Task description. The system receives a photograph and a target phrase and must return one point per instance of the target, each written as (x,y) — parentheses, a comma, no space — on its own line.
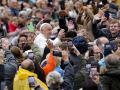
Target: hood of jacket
(23,74)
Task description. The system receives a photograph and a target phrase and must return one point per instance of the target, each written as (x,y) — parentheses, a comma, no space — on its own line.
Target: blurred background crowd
(59,44)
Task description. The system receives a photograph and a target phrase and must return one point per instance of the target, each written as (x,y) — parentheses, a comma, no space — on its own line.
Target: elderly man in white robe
(44,36)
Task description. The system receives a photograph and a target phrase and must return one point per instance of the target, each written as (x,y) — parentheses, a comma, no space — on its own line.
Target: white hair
(44,25)
(53,78)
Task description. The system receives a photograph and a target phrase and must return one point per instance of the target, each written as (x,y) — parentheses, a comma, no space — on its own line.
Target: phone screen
(31,81)
(88,68)
(31,55)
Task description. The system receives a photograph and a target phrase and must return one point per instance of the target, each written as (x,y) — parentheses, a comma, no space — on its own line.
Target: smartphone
(88,68)
(57,53)
(31,55)
(31,81)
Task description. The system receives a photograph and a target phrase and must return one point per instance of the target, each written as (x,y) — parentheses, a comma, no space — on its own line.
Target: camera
(57,53)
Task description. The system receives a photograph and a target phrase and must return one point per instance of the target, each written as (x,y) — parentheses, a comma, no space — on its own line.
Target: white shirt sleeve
(56,42)
(41,43)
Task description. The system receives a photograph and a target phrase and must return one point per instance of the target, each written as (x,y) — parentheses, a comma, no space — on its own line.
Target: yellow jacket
(21,80)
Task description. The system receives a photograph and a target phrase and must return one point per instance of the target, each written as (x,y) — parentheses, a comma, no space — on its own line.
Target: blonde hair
(114,21)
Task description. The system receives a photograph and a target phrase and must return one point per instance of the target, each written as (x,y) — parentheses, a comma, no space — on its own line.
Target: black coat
(68,78)
(1,72)
(40,72)
(111,79)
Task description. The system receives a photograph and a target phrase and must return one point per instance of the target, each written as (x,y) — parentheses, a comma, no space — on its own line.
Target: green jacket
(36,52)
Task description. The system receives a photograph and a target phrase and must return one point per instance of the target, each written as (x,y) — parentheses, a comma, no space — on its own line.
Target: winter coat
(10,66)
(1,72)
(40,72)
(21,80)
(78,63)
(36,52)
(111,79)
(68,78)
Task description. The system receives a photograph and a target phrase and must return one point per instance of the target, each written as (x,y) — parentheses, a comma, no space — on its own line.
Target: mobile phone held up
(57,53)
(31,81)
(31,55)
(33,84)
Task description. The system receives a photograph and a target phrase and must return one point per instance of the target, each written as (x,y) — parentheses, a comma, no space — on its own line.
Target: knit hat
(81,44)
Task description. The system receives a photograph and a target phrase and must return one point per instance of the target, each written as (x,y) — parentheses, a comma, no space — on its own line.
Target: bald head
(103,40)
(28,65)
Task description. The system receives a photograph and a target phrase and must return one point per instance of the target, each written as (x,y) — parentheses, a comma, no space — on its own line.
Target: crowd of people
(59,45)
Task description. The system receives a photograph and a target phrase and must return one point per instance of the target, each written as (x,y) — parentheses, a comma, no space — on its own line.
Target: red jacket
(12,27)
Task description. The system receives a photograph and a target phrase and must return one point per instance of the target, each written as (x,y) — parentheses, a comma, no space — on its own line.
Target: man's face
(15,4)
(5,43)
(97,52)
(30,38)
(48,32)
(39,15)
(114,28)
(22,41)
